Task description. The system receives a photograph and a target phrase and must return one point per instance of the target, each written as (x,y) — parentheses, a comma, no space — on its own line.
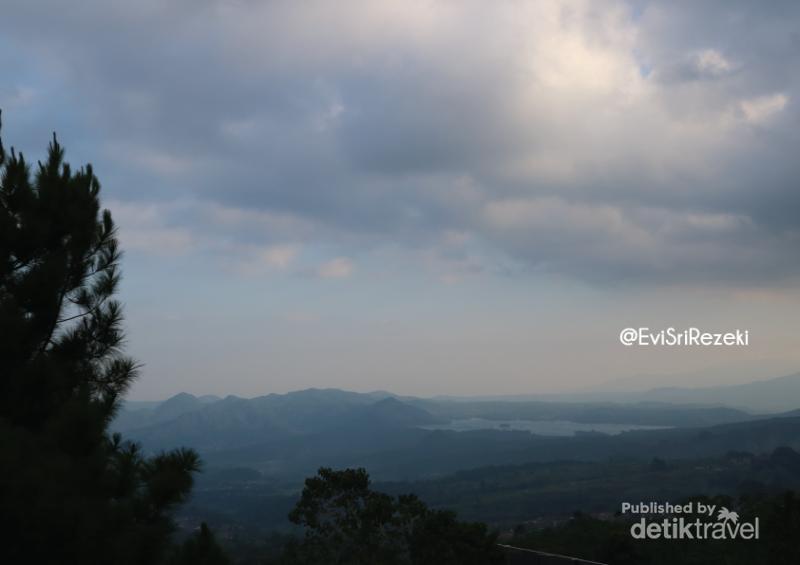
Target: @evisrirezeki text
(686,337)
(689,521)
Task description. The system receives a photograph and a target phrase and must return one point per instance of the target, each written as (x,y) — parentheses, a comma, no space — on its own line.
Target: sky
(461,198)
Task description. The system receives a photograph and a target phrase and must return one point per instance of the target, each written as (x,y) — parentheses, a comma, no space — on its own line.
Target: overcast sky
(428,197)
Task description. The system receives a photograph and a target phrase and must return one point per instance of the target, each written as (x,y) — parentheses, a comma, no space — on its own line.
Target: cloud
(706,64)
(759,110)
(259,261)
(712,63)
(278,256)
(613,141)
(143,228)
(338,268)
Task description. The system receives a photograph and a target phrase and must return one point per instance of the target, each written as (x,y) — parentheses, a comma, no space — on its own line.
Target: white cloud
(255,261)
(152,160)
(712,62)
(278,256)
(763,108)
(143,227)
(338,268)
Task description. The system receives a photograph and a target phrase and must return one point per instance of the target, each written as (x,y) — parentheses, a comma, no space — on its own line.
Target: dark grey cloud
(648,141)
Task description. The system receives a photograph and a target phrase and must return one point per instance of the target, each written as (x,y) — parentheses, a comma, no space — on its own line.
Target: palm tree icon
(725,515)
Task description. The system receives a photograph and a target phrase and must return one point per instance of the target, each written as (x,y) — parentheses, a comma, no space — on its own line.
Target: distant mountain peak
(181,396)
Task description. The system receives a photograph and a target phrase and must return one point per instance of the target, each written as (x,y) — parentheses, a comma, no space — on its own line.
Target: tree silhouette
(70,492)
(348,523)
(200,549)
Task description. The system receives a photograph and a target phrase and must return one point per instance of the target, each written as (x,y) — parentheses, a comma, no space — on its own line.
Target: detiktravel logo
(689,521)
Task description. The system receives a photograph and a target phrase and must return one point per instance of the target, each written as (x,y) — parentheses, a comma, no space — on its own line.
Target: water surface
(540,427)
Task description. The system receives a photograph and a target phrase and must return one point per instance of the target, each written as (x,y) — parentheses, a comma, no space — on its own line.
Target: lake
(540,427)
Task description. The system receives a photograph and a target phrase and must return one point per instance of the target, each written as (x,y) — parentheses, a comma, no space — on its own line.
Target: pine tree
(346,522)
(69,491)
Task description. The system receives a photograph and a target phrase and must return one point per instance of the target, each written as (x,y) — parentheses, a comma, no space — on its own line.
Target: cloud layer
(608,141)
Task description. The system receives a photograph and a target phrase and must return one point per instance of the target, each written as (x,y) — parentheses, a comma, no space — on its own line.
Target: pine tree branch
(91,310)
(51,331)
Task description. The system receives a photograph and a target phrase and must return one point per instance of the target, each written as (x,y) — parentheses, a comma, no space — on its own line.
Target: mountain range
(666,443)
(287,436)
